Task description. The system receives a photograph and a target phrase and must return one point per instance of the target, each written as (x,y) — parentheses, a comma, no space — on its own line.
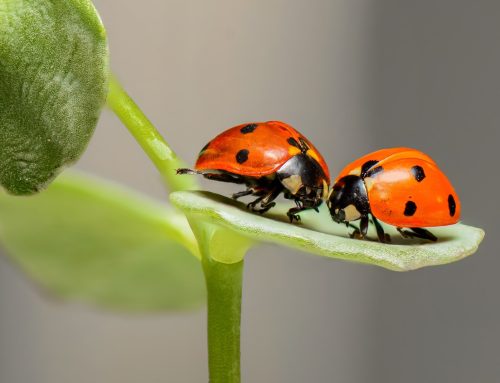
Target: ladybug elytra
(269,158)
(402,187)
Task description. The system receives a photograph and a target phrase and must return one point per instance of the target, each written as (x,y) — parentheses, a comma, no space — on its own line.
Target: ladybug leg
(363,226)
(185,171)
(265,200)
(382,236)
(266,207)
(224,177)
(214,175)
(404,233)
(242,193)
(356,233)
(268,200)
(292,213)
(301,206)
(417,232)
(348,224)
(254,203)
(423,233)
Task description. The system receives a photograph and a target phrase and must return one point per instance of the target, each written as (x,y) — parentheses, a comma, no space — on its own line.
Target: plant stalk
(223,281)
(224,284)
(151,141)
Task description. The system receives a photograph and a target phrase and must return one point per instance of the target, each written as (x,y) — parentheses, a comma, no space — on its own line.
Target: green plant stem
(224,283)
(223,280)
(151,141)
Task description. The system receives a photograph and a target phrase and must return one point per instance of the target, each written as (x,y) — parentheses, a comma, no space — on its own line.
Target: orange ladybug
(269,158)
(402,187)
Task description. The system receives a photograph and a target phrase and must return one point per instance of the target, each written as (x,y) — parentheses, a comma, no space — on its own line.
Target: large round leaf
(53,84)
(89,241)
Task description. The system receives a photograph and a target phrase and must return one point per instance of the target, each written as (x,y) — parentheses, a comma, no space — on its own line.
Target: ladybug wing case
(412,192)
(254,150)
(368,161)
(245,151)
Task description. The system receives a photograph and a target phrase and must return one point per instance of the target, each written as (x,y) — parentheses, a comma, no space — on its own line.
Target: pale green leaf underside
(94,242)
(53,85)
(318,234)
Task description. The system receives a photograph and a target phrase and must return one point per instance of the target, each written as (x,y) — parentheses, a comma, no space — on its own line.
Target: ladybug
(269,158)
(402,187)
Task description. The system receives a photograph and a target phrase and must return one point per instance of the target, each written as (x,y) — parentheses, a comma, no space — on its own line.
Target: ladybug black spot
(452,205)
(376,170)
(248,128)
(366,166)
(410,208)
(242,156)
(292,141)
(418,173)
(373,172)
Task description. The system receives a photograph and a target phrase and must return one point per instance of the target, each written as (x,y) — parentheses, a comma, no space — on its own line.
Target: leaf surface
(53,85)
(318,234)
(91,241)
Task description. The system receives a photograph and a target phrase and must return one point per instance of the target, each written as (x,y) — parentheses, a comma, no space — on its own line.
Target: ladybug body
(402,187)
(269,158)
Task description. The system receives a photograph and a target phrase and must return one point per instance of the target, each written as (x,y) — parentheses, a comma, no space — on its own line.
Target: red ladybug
(269,158)
(399,186)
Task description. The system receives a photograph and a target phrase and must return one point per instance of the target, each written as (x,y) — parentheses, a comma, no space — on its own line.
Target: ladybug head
(304,179)
(348,200)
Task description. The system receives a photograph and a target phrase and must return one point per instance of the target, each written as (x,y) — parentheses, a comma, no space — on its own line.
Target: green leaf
(318,234)
(94,242)
(53,84)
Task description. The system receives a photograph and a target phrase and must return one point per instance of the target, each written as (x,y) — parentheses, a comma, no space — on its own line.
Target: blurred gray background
(353,76)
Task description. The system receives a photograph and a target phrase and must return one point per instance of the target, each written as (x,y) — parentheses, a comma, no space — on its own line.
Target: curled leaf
(53,84)
(318,234)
